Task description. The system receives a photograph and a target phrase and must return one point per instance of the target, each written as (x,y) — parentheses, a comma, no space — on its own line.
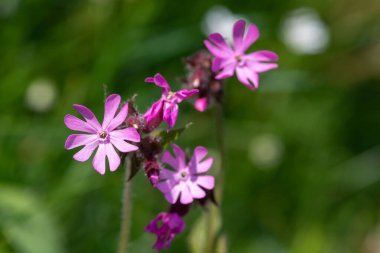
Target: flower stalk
(213,230)
(126,211)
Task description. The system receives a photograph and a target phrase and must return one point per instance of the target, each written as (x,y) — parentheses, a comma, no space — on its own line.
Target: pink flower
(104,137)
(247,66)
(166,108)
(165,226)
(186,182)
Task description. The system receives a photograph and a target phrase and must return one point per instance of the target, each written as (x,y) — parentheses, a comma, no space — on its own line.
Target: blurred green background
(303,171)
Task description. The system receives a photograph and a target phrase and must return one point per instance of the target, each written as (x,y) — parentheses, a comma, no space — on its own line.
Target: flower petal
(88,115)
(85,153)
(123,146)
(207,182)
(238,34)
(260,67)
(186,197)
(196,191)
(118,120)
(219,41)
(200,167)
(205,165)
(76,124)
(170,114)
(216,51)
(99,161)
(228,71)
(76,140)
(199,153)
(180,156)
(195,164)
(263,55)
(215,67)
(167,178)
(154,109)
(168,174)
(149,80)
(129,134)
(169,159)
(172,195)
(113,157)
(183,94)
(227,62)
(153,117)
(160,81)
(110,108)
(251,36)
(247,76)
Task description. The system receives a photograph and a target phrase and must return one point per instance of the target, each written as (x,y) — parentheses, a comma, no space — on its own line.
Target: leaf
(133,165)
(167,137)
(26,223)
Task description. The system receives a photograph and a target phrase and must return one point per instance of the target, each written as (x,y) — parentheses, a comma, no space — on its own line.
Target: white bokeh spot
(221,20)
(303,32)
(40,95)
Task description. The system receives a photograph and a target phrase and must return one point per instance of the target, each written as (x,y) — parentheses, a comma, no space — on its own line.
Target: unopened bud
(152,171)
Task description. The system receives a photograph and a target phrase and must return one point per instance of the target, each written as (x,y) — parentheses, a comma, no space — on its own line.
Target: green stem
(126,210)
(222,151)
(213,229)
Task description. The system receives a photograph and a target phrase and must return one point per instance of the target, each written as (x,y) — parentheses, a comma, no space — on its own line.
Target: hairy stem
(126,210)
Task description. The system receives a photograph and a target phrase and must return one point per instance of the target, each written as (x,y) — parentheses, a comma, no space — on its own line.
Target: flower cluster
(125,133)
(125,130)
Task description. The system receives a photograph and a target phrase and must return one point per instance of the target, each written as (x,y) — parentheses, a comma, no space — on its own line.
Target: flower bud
(152,171)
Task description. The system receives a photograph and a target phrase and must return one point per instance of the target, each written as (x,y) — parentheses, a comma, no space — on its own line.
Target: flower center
(184,175)
(170,95)
(239,58)
(103,134)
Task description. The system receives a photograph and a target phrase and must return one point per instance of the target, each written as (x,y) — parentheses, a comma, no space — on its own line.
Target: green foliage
(166,137)
(27,223)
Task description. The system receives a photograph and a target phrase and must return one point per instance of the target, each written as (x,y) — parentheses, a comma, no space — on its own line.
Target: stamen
(103,134)
(170,95)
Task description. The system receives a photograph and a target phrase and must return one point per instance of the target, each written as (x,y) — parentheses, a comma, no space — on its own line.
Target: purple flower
(165,226)
(247,66)
(104,137)
(186,182)
(166,108)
